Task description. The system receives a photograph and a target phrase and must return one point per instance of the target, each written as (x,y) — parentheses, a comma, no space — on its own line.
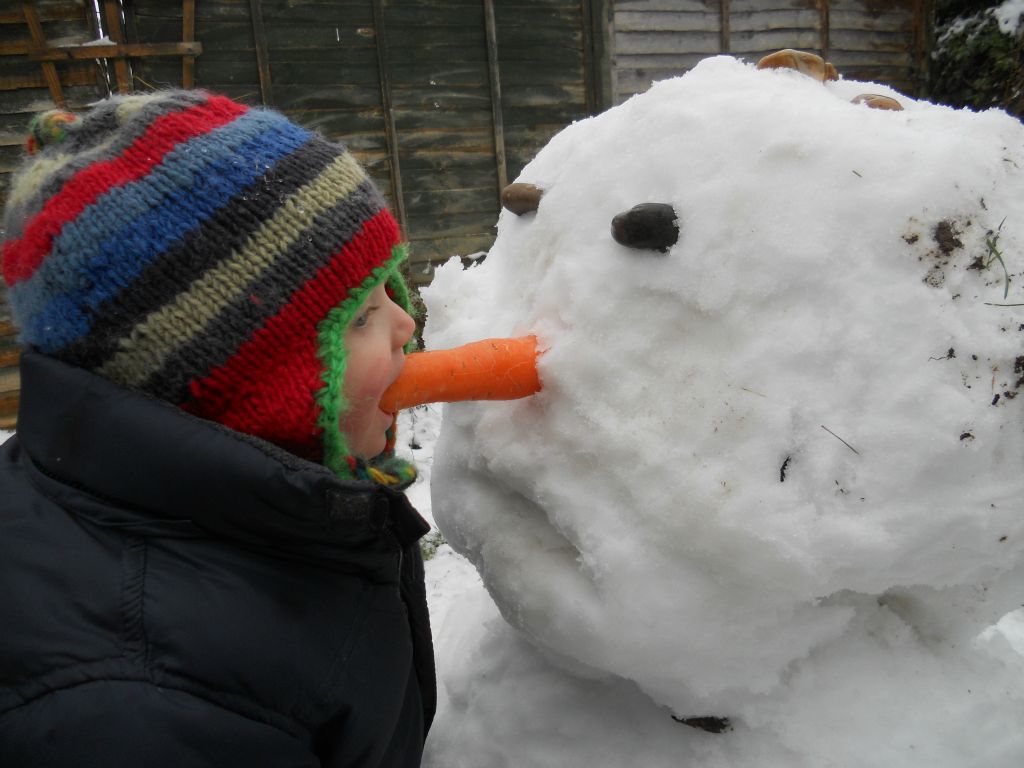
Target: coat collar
(134,460)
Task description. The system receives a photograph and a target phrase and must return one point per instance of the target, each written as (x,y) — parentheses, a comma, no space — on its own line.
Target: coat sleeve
(117,724)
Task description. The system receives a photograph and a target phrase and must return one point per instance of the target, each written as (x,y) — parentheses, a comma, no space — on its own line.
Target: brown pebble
(521,198)
(809,64)
(877,101)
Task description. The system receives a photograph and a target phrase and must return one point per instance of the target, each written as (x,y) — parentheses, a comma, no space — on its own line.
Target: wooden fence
(878,40)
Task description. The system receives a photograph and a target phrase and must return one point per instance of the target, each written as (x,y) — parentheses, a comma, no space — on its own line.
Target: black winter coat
(173,593)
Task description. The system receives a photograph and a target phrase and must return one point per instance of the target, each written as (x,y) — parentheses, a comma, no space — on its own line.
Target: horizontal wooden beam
(113,50)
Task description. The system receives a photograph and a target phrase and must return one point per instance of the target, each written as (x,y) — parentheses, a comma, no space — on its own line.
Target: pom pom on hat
(185,245)
(48,128)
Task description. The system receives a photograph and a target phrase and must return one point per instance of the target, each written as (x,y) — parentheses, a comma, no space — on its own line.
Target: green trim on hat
(333,356)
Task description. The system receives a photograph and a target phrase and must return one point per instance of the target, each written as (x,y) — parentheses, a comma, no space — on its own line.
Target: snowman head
(780,378)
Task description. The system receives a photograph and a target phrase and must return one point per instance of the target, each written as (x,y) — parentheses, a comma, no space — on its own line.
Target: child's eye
(363,317)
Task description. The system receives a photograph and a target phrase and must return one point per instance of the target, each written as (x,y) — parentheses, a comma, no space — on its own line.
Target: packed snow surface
(775,473)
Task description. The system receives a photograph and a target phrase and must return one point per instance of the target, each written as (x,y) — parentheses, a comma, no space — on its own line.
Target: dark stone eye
(521,198)
(648,225)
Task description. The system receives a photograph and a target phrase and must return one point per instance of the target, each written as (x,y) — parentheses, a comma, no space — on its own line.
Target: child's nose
(402,326)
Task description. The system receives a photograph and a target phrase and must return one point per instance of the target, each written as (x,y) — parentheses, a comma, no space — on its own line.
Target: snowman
(768,504)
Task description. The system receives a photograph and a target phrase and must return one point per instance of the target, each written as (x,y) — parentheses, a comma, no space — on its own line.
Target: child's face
(374,342)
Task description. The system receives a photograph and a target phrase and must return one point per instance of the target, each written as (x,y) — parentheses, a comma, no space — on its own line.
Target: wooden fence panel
(877,40)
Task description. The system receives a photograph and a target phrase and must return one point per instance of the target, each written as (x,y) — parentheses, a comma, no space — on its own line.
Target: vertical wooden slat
(96,32)
(397,199)
(112,14)
(597,67)
(497,118)
(725,13)
(262,55)
(923,14)
(825,24)
(188,35)
(131,32)
(35,29)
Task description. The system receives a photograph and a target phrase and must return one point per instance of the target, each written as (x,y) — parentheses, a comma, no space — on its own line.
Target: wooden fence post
(389,114)
(725,12)
(188,35)
(112,13)
(259,35)
(35,28)
(497,118)
(825,24)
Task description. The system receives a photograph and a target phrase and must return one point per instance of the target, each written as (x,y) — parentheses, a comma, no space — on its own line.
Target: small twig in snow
(837,437)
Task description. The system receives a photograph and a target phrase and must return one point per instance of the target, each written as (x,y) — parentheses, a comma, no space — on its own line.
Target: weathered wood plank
(300,72)
(796,19)
(433,17)
(438,248)
(446,162)
(327,97)
(452,181)
(846,60)
(753,7)
(775,39)
(406,99)
(424,225)
(448,38)
(449,139)
(87,52)
(66,11)
(11,157)
(560,114)
(665,5)
(867,41)
(28,101)
(889,22)
(75,76)
(23,66)
(70,30)
(664,61)
(273,11)
(441,203)
(666,42)
(667,21)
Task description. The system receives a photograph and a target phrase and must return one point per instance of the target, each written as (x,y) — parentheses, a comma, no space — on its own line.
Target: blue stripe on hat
(130,226)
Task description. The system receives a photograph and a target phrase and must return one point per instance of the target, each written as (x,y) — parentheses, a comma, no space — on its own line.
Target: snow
(1009,16)
(774,473)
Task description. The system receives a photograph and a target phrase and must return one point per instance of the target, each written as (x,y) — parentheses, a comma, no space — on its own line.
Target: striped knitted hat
(209,254)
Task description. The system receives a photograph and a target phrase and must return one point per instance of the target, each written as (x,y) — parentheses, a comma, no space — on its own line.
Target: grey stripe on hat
(151,342)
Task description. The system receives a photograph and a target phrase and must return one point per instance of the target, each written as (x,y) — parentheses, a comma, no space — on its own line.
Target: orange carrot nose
(493,369)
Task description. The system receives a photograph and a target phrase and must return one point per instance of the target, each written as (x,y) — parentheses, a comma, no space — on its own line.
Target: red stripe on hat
(267,387)
(22,257)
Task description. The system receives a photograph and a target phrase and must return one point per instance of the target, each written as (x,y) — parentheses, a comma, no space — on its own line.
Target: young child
(206,556)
